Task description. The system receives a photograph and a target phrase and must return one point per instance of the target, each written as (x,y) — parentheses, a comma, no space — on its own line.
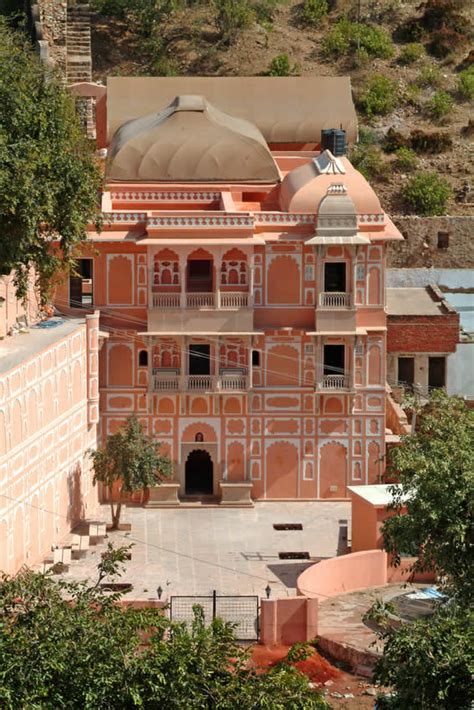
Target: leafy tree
(130,459)
(427,193)
(49,180)
(429,663)
(435,467)
(70,646)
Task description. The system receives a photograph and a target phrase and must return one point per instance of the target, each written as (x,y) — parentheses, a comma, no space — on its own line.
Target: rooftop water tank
(334,139)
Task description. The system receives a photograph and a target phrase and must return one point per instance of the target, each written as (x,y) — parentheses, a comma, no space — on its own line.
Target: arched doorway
(199,473)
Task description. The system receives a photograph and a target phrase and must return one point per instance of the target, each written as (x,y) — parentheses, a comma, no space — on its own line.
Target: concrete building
(240,276)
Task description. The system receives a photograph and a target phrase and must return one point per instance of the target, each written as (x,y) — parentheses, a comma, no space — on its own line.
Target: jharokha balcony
(169,382)
(219,300)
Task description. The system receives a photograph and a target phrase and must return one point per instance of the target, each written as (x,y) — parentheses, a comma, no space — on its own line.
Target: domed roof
(190,141)
(303,189)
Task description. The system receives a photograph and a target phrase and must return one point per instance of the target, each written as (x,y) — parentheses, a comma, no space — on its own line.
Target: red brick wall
(423,334)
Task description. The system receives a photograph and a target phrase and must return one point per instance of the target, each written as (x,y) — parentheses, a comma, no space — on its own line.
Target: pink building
(240,277)
(48,419)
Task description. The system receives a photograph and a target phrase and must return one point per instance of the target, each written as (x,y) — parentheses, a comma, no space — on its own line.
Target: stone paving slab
(235,551)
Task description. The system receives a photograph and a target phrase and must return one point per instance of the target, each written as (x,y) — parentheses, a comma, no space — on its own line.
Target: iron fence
(240,610)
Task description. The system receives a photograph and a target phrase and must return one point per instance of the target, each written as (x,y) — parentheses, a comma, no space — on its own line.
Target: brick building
(423,330)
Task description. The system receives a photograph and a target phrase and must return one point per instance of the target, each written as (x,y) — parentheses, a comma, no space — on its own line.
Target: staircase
(78,43)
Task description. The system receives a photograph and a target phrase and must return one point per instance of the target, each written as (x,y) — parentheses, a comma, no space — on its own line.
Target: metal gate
(242,611)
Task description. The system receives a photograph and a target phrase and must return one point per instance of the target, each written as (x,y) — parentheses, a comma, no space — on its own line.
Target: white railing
(233,299)
(334,382)
(335,299)
(166,300)
(165,383)
(233,383)
(200,300)
(200,383)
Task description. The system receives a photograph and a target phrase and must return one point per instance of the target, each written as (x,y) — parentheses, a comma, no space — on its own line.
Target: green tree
(71,646)
(131,459)
(435,467)
(429,663)
(49,179)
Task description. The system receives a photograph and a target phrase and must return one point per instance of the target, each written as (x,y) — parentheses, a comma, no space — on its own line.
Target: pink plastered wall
(288,621)
(348,573)
(46,428)
(11,309)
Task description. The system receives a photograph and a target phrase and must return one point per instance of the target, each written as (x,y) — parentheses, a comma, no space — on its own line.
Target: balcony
(335,299)
(169,382)
(331,383)
(221,300)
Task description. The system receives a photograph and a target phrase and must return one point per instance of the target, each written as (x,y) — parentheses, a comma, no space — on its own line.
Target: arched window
(143,358)
(199,437)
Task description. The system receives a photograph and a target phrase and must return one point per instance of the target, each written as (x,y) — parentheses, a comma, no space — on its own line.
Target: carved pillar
(252,280)
(218,266)
(182,281)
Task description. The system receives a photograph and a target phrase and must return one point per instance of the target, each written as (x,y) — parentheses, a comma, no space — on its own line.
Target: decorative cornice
(282,218)
(204,221)
(164,196)
(327,164)
(124,217)
(371,218)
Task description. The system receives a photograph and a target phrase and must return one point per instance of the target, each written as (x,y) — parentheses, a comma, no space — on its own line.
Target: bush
(338,40)
(411,53)
(374,40)
(395,140)
(429,76)
(427,193)
(280,66)
(439,106)
(466,83)
(379,97)
(313,11)
(347,37)
(405,159)
(431,143)
(232,16)
(368,160)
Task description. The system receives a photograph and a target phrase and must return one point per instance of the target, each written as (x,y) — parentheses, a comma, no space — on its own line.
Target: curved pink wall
(348,573)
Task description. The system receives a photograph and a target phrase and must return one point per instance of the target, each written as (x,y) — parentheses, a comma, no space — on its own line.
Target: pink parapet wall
(288,621)
(348,573)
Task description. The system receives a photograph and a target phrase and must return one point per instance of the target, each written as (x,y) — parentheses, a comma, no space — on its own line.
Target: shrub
(369,161)
(427,193)
(412,95)
(338,40)
(280,66)
(232,16)
(411,53)
(313,11)
(394,140)
(374,40)
(432,143)
(429,76)
(346,37)
(379,97)
(405,159)
(466,83)
(439,106)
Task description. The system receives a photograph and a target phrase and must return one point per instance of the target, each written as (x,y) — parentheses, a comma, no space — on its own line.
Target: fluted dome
(190,141)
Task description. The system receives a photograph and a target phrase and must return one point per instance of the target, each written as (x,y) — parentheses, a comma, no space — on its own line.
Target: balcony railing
(334,382)
(225,299)
(200,383)
(335,299)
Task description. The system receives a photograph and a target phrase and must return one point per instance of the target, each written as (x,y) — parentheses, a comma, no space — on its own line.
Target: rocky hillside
(411,67)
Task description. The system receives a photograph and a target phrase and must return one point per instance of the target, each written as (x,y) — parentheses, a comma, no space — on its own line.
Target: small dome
(303,189)
(190,141)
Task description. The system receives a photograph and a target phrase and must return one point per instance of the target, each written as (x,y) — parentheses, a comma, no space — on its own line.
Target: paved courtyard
(235,551)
